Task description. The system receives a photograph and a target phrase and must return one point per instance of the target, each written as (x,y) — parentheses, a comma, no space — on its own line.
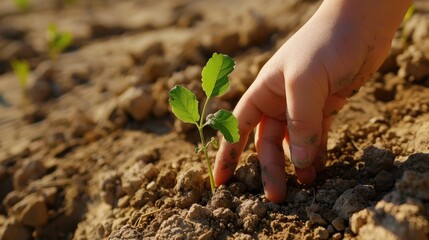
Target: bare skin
(308,80)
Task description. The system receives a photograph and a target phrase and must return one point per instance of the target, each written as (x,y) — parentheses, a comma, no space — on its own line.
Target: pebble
(137,101)
(338,224)
(353,200)
(150,171)
(13,230)
(377,159)
(166,178)
(321,233)
(31,211)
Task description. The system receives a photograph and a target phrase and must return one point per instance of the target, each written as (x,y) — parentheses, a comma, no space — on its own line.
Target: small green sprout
(405,32)
(57,41)
(22,5)
(21,68)
(184,105)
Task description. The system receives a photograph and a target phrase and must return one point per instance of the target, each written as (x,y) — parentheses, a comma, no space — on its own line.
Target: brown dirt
(96,154)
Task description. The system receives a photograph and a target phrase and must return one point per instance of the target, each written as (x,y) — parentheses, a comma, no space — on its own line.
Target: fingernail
(301,157)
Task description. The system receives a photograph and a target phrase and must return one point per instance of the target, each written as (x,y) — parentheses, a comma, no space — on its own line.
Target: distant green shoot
(57,41)
(22,5)
(21,68)
(184,105)
(405,32)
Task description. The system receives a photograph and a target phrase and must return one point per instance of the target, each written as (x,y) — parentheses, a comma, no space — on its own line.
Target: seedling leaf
(22,71)
(23,5)
(57,41)
(226,123)
(215,74)
(184,104)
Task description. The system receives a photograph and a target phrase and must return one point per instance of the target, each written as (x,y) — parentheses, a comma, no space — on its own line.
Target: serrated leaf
(184,104)
(215,74)
(226,123)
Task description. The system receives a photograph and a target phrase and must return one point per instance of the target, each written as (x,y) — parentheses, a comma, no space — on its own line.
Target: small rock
(80,124)
(340,185)
(327,196)
(222,199)
(224,214)
(147,155)
(155,67)
(110,186)
(199,214)
(414,184)
(188,19)
(224,41)
(254,29)
(377,159)
(338,224)
(137,101)
(166,178)
(109,113)
(189,188)
(31,170)
(13,230)
(3,172)
(124,201)
(321,233)
(142,54)
(20,149)
(330,229)
(337,236)
(150,171)
(132,179)
(152,186)
(359,219)
(313,215)
(50,195)
(384,180)
(31,211)
(12,198)
(142,197)
(413,64)
(353,200)
(317,219)
(418,162)
(250,173)
(250,206)
(237,188)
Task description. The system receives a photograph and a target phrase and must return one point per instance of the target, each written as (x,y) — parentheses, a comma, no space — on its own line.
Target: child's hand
(297,93)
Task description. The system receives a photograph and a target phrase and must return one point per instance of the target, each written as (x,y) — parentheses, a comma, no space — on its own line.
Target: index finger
(258,100)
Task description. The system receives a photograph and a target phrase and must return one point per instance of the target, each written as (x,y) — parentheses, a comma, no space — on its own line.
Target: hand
(298,91)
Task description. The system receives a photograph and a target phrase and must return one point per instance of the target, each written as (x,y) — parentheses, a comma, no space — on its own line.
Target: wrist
(379,17)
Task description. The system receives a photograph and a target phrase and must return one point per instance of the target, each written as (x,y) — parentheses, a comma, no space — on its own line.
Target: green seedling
(22,5)
(185,105)
(21,68)
(57,41)
(405,32)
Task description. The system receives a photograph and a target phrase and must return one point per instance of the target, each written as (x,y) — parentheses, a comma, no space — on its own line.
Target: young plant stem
(200,127)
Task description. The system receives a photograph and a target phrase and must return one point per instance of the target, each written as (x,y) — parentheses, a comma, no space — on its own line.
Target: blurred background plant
(21,68)
(57,41)
(23,5)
